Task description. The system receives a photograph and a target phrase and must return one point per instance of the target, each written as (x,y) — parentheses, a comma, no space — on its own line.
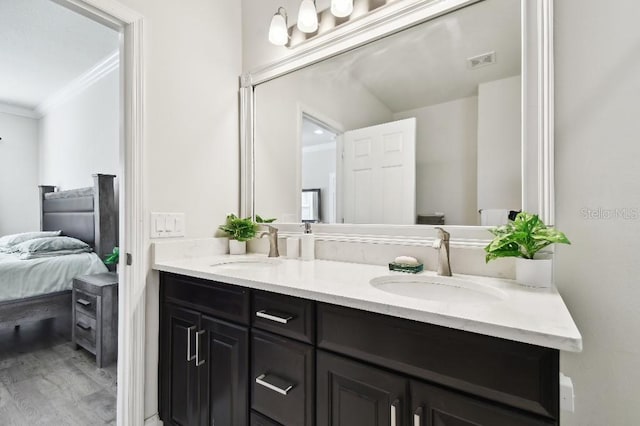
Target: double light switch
(167,225)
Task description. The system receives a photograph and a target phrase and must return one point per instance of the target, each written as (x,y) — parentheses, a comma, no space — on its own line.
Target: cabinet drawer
(289,316)
(282,379)
(220,300)
(86,303)
(260,420)
(85,331)
(517,374)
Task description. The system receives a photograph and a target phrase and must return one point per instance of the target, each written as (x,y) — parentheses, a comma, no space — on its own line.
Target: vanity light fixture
(341,8)
(279,30)
(308,17)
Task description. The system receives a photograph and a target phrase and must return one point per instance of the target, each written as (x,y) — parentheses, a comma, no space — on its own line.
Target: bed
(37,289)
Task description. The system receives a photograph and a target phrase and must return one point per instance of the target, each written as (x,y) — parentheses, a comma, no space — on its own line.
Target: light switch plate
(167,225)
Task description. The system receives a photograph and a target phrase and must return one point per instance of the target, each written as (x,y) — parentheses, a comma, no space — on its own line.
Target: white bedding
(20,279)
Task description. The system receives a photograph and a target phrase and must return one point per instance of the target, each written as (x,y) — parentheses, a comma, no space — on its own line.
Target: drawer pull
(394,413)
(83,325)
(417,417)
(189,356)
(281,318)
(274,383)
(83,302)
(199,362)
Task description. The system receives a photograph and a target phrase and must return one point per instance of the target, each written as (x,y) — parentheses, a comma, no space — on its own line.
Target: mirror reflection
(421,127)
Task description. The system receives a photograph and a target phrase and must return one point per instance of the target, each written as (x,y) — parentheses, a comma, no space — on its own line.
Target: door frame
(132,237)
(329,123)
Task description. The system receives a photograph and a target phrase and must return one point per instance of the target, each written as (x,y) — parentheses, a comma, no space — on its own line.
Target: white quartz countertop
(523,314)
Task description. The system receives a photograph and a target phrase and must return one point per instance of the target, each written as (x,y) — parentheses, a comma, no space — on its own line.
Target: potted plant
(113,258)
(523,238)
(239,231)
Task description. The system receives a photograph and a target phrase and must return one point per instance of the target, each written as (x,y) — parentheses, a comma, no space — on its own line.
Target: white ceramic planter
(237,247)
(534,272)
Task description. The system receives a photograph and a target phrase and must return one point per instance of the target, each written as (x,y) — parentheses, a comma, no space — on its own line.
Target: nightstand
(95,315)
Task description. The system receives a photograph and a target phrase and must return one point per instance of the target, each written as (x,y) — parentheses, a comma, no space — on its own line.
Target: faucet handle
(442,234)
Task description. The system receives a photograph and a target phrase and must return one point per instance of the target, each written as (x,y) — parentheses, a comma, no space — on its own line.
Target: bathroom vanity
(254,341)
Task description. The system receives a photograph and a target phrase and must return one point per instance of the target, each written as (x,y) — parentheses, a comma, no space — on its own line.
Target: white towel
(494,217)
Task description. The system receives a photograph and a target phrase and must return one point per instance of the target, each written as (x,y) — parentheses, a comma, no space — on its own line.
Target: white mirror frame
(537,114)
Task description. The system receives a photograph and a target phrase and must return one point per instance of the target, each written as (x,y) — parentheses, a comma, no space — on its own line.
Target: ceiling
(315,133)
(43,47)
(427,64)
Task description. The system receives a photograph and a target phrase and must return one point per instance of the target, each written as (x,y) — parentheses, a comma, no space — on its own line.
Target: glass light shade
(308,17)
(341,8)
(278,31)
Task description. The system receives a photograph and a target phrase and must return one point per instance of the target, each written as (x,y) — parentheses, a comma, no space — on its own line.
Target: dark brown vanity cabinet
(233,356)
(204,360)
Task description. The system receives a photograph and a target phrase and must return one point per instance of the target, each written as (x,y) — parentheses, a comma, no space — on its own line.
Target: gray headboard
(88,214)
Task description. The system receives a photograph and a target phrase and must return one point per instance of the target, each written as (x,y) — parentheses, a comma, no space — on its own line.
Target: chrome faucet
(442,245)
(272,233)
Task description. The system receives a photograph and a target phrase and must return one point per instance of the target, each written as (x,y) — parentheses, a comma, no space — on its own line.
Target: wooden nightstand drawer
(85,331)
(86,303)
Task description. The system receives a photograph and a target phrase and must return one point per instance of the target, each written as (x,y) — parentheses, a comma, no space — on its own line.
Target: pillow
(50,244)
(8,241)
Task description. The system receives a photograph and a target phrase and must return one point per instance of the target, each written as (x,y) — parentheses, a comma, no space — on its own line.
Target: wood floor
(44,381)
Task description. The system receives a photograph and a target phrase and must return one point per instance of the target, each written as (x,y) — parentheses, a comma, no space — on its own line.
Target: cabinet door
(178,372)
(435,406)
(223,360)
(354,394)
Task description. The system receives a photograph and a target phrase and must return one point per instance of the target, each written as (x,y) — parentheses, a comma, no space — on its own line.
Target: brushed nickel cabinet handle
(282,319)
(417,417)
(274,383)
(83,302)
(199,362)
(394,413)
(189,356)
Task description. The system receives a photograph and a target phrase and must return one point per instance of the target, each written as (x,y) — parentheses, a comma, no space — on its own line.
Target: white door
(380,174)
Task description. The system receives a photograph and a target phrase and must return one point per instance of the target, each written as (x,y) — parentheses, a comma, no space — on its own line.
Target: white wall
(598,166)
(193,57)
(446,153)
(19,205)
(499,145)
(81,137)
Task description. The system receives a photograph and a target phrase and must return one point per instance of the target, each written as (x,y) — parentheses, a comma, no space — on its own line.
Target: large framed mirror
(422,113)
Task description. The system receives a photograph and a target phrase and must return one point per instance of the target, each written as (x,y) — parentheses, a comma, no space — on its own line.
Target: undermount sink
(246,263)
(438,289)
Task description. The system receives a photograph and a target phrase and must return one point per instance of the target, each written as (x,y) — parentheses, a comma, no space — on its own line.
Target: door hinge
(129,259)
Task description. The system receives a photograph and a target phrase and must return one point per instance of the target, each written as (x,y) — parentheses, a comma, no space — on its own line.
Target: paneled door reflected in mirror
(457,78)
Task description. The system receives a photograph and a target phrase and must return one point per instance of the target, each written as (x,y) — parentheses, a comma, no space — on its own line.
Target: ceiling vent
(482,60)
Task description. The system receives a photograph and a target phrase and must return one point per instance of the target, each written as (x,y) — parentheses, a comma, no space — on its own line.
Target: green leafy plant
(523,237)
(239,229)
(113,258)
(262,220)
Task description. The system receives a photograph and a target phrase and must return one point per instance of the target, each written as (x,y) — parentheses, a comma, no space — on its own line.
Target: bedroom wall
(18,174)
(81,136)
(446,151)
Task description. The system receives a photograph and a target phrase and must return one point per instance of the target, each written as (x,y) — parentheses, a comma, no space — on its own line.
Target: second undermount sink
(246,263)
(438,289)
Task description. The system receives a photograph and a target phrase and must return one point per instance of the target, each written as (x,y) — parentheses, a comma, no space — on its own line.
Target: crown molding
(20,111)
(79,84)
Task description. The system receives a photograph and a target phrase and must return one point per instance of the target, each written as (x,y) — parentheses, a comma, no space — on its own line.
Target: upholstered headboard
(88,214)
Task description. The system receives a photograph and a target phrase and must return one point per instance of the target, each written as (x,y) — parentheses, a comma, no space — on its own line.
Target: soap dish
(403,267)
